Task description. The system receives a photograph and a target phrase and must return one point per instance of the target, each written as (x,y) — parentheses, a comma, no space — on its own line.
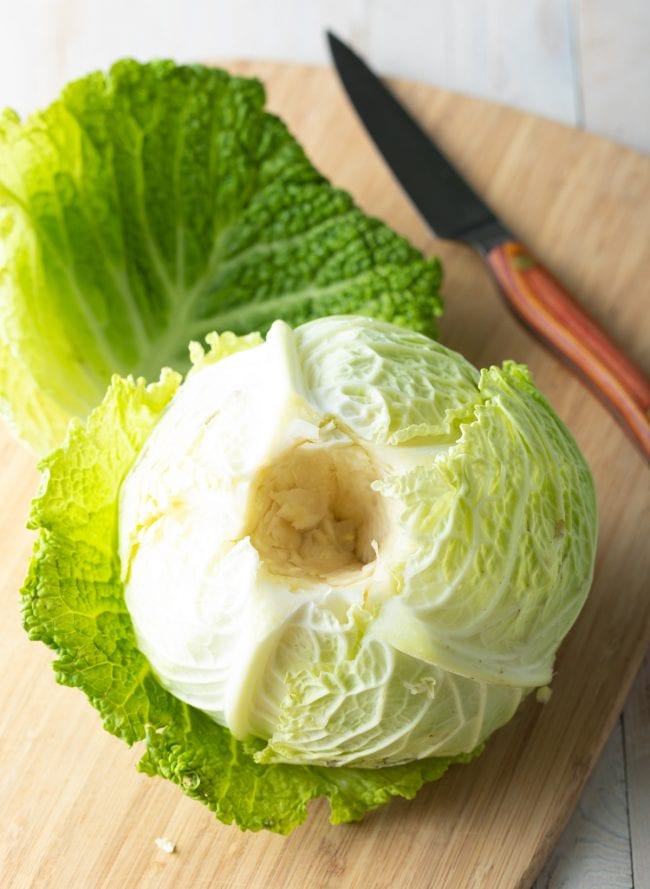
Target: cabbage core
(315,514)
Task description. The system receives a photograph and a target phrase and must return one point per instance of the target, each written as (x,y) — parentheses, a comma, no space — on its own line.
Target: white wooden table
(584,62)
(606,844)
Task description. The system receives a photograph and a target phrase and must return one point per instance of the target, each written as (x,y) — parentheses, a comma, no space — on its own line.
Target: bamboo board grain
(75,813)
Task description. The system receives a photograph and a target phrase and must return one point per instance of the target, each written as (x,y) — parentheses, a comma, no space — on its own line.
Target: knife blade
(453,210)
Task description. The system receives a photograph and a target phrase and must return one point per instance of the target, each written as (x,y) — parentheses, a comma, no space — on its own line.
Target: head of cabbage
(347,543)
(325,564)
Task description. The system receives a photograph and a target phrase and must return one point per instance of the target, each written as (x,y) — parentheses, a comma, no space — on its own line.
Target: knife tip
(341,52)
(332,39)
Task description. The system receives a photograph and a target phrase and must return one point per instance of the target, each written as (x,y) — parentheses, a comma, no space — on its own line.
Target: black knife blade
(446,202)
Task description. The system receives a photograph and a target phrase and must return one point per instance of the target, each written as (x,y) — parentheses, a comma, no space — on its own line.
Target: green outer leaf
(153,204)
(73,601)
(73,594)
(209,765)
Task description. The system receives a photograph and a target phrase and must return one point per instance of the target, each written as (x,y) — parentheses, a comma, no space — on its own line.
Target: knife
(453,210)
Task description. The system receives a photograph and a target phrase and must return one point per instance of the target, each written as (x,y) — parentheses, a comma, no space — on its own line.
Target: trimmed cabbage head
(348,542)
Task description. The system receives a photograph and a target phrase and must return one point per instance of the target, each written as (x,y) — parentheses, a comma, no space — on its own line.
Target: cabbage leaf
(153,204)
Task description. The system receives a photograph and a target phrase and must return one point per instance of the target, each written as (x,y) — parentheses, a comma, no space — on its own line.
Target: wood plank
(518,53)
(636,726)
(614,67)
(77,813)
(593,851)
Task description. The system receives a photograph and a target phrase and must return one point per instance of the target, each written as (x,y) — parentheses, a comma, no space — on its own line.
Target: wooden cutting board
(75,812)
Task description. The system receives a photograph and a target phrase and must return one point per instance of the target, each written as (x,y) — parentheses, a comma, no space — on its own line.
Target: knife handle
(556,318)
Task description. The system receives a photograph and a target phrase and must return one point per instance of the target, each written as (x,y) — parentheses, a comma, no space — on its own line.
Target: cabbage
(328,563)
(153,204)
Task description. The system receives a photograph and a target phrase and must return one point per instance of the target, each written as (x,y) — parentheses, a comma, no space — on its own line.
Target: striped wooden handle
(555,318)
